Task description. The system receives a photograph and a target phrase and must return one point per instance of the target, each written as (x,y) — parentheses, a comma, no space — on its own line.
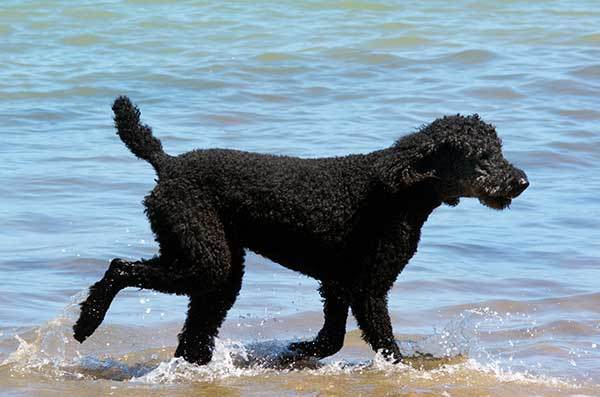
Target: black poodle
(351,222)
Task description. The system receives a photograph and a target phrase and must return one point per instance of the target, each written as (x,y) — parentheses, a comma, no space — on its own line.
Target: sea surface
(493,304)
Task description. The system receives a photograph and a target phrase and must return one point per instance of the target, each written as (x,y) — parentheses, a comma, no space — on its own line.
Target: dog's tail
(138,137)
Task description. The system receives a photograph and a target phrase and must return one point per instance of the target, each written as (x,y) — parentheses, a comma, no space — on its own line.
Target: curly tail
(138,137)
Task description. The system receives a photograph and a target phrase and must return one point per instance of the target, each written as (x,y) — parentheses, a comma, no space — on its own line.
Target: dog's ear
(408,162)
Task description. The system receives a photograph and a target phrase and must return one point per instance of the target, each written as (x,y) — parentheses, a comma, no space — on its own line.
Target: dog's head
(460,156)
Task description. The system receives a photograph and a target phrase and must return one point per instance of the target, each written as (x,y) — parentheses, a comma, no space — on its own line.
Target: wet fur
(351,222)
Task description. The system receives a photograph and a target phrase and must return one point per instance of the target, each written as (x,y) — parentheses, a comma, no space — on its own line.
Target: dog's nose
(521,184)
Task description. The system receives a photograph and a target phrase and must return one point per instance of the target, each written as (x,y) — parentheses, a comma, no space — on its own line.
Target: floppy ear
(408,162)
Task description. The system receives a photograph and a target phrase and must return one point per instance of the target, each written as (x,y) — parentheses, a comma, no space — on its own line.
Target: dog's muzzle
(519,183)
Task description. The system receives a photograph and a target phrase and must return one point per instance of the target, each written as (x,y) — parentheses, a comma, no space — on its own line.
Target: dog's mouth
(495,202)
(452,201)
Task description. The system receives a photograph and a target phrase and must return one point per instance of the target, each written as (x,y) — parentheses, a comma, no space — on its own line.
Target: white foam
(226,361)
(507,375)
(53,353)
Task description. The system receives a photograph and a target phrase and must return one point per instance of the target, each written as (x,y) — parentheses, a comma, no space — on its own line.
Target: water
(508,302)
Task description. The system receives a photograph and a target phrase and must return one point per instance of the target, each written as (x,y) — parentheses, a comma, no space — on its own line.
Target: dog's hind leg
(330,338)
(149,274)
(371,313)
(173,276)
(206,313)
(94,308)
(189,228)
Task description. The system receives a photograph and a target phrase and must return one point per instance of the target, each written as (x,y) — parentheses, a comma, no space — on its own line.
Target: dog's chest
(386,245)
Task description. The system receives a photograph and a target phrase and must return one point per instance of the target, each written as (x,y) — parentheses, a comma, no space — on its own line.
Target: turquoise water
(309,79)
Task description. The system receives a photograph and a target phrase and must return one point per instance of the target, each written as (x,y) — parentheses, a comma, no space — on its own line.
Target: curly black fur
(351,222)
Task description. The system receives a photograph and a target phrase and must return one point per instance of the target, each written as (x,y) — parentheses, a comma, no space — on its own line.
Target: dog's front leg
(330,338)
(372,315)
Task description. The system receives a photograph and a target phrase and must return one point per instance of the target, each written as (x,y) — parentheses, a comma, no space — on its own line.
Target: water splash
(225,363)
(52,348)
(454,352)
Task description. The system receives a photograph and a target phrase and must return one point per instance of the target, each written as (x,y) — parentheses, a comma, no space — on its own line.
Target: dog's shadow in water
(264,355)
(109,369)
(272,355)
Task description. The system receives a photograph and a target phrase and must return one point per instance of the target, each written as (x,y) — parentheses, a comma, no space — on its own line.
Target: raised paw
(94,308)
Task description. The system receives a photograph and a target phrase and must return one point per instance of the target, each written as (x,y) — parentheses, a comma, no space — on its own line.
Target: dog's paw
(93,310)
(82,330)
(392,357)
(301,348)
(89,319)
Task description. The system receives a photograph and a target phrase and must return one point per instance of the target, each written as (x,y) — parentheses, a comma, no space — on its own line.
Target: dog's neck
(411,205)
(402,169)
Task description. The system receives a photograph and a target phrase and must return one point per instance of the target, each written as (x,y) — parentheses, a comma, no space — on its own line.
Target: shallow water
(506,302)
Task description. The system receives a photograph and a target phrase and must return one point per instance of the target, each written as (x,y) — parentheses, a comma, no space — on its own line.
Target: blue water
(316,78)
